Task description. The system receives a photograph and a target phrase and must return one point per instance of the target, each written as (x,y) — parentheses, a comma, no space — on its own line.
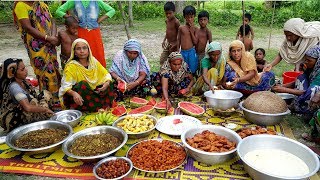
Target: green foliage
(6,12)
(147,10)
(53,6)
(223,18)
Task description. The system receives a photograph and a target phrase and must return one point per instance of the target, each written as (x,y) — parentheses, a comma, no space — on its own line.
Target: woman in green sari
(213,68)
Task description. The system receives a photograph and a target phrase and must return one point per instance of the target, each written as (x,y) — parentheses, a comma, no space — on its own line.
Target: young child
(187,39)
(169,43)
(259,54)
(247,19)
(66,38)
(204,34)
(248,44)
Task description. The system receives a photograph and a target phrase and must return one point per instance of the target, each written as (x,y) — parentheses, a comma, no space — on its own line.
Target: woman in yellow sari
(241,72)
(38,32)
(85,83)
(213,67)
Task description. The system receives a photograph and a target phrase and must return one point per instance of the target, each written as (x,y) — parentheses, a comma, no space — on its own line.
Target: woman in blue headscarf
(306,85)
(131,67)
(213,68)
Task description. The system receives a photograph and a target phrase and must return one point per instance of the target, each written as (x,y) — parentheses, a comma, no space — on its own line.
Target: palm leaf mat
(57,164)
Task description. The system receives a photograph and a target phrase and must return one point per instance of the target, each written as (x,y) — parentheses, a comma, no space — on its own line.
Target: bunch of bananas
(105,118)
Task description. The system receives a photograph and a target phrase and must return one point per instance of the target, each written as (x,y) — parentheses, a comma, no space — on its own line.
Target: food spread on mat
(265,102)
(154,155)
(248,131)
(211,142)
(113,169)
(277,162)
(40,138)
(136,124)
(92,145)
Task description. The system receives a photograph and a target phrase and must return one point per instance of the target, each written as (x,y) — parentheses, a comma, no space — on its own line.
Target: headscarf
(126,69)
(314,52)
(221,63)
(7,72)
(247,63)
(309,33)
(75,72)
(177,77)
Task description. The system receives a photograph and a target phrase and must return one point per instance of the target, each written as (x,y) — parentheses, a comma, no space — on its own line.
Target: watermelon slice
(122,86)
(152,102)
(177,121)
(114,104)
(147,109)
(191,109)
(182,91)
(136,102)
(119,110)
(161,108)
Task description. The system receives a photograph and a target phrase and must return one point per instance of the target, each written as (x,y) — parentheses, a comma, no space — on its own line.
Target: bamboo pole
(274,9)
(124,19)
(243,23)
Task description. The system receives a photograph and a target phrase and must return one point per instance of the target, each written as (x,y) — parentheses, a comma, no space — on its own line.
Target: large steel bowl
(159,140)
(286,97)
(263,119)
(210,157)
(18,132)
(116,132)
(281,143)
(72,117)
(112,159)
(223,99)
(140,134)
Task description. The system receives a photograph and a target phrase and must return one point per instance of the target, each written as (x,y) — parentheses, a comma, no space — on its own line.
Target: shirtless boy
(187,39)
(248,44)
(169,43)
(204,34)
(66,38)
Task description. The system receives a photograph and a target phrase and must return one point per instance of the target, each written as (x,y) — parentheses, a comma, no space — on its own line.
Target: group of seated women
(87,86)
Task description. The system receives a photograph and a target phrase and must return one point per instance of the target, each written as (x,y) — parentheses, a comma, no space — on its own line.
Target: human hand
(77,99)
(267,68)
(232,85)
(53,40)
(49,112)
(131,85)
(279,88)
(164,44)
(104,87)
(168,104)
(315,101)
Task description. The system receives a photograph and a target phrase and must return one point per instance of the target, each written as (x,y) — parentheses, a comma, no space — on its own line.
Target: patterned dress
(43,57)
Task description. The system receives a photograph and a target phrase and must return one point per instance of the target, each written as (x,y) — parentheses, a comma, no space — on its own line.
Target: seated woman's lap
(266,82)
(92,100)
(141,90)
(173,88)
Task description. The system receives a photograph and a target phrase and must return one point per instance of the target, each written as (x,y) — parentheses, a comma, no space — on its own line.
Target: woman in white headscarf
(300,36)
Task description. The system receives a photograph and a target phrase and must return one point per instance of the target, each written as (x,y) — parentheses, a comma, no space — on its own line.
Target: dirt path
(114,36)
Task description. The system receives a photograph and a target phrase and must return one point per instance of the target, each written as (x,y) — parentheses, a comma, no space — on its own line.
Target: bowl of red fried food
(210,144)
(112,168)
(145,155)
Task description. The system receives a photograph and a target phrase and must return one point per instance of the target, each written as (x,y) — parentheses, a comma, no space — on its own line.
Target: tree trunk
(179,6)
(130,14)
(124,19)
